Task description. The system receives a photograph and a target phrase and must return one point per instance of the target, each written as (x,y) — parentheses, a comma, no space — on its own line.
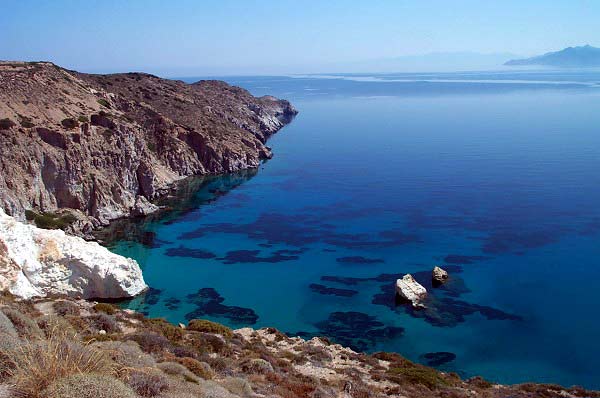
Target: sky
(221,37)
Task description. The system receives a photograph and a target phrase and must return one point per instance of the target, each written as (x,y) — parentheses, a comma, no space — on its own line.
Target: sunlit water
(495,177)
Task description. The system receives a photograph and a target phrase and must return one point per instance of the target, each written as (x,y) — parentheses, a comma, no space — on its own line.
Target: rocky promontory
(79,150)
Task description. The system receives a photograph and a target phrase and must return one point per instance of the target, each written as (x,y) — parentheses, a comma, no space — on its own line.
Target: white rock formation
(38,262)
(439,275)
(410,290)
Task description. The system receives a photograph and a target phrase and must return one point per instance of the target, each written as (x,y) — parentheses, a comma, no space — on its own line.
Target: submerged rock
(410,290)
(39,262)
(439,275)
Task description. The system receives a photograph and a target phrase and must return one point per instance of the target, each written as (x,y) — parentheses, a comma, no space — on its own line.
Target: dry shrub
(25,326)
(256,366)
(65,307)
(206,342)
(126,353)
(37,364)
(104,322)
(50,323)
(88,386)
(238,386)
(177,370)
(417,374)
(183,351)
(202,325)
(165,328)
(218,364)
(9,344)
(479,382)
(200,369)
(147,384)
(150,342)
(106,308)
(6,326)
(288,388)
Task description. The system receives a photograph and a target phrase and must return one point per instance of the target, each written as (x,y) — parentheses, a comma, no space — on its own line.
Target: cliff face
(106,145)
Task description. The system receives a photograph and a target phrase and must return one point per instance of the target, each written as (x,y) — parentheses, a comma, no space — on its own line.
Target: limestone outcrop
(36,262)
(408,289)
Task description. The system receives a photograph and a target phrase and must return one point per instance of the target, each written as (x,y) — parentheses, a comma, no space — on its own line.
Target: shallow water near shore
(493,176)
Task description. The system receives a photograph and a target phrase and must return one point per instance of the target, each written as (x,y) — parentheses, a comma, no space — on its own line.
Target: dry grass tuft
(36,364)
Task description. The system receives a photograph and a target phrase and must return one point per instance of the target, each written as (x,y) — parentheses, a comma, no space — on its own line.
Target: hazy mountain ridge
(583,56)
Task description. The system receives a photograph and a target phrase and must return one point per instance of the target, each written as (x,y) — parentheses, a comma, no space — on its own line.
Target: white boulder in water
(36,262)
(410,290)
(439,275)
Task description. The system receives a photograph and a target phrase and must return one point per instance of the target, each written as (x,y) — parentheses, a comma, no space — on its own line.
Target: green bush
(202,325)
(88,386)
(163,327)
(83,119)
(416,374)
(5,124)
(50,220)
(104,102)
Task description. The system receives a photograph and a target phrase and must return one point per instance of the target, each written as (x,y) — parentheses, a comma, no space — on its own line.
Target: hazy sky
(225,36)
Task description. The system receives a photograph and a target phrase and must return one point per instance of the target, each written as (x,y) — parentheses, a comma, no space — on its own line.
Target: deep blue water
(493,176)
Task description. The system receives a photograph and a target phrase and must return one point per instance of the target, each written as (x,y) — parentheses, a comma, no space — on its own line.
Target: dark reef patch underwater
(493,176)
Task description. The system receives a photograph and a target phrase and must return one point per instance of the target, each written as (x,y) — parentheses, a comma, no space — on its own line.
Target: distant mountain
(582,57)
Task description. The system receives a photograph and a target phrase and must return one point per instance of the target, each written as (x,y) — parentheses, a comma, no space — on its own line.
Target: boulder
(410,290)
(439,275)
(37,262)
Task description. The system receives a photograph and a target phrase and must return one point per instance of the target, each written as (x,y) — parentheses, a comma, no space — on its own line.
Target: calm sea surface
(494,176)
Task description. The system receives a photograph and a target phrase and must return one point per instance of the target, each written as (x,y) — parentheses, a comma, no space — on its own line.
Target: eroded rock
(410,290)
(439,275)
(37,262)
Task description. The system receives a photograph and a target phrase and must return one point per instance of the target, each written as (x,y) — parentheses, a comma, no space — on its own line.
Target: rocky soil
(79,150)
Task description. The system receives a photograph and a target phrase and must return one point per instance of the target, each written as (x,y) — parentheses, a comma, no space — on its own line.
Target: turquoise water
(492,176)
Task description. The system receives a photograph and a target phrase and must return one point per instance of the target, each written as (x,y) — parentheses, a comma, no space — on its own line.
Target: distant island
(579,57)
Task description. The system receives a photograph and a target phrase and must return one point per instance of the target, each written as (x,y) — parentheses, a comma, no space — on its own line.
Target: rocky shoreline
(80,150)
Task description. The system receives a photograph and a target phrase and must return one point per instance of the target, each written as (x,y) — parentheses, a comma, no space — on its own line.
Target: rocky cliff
(79,150)
(36,262)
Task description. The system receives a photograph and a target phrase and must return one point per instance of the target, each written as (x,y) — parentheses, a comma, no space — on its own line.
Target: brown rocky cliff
(106,145)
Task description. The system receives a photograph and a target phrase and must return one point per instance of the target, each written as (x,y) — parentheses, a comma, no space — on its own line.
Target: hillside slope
(106,145)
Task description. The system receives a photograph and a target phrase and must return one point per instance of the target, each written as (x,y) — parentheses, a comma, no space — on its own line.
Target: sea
(494,176)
